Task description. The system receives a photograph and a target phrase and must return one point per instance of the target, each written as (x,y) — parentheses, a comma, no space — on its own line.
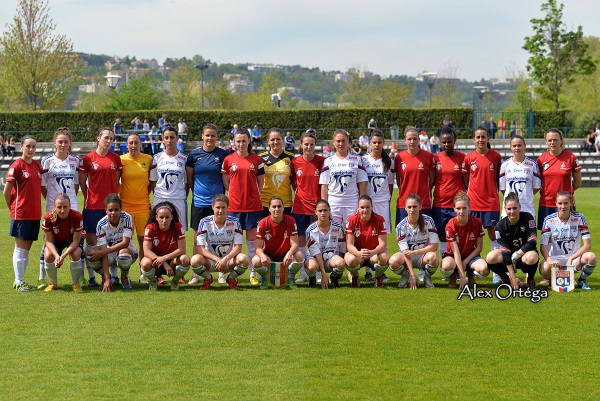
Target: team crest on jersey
(268,236)
(169,179)
(317,173)
(457,167)
(65,184)
(522,228)
(25,174)
(233,167)
(252,167)
(343,180)
(438,166)
(491,167)
(374,233)
(55,230)
(471,237)
(112,166)
(95,166)
(421,167)
(546,166)
(299,173)
(156,241)
(376,183)
(473,166)
(221,250)
(403,166)
(563,167)
(357,233)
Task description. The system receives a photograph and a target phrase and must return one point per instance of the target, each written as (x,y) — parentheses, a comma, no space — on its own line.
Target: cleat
(161,281)
(222,279)
(355,281)
(92,282)
(369,276)
(496,279)
(232,284)
(41,283)
(76,287)
(444,278)
(531,284)
(427,281)
(51,287)
(335,281)
(318,277)
(291,283)
(421,275)
(254,280)
(23,287)
(181,280)
(452,280)
(471,280)
(312,281)
(378,282)
(349,276)
(194,280)
(302,277)
(114,281)
(83,281)
(404,280)
(582,283)
(175,284)
(385,278)
(264,283)
(206,284)
(143,279)
(545,281)
(153,285)
(126,283)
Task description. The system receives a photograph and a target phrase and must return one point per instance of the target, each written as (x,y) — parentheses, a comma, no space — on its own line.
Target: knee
(197,260)
(396,260)
(432,258)
(530,258)
(383,258)
(243,259)
(184,260)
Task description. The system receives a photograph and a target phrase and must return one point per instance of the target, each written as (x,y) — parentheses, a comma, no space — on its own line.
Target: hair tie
(165,207)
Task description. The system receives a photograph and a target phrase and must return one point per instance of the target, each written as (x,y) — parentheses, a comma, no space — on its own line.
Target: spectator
(137,124)
(146,125)
(492,128)
(590,141)
(327,150)
(163,123)
(154,136)
(513,128)
(372,126)
(434,143)
(2,146)
(117,126)
(182,128)
(10,146)
(290,142)
(447,121)
(424,141)
(356,146)
(180,146)
(393,150)
(363,141)
(502,128)
(311,130)
(257,136)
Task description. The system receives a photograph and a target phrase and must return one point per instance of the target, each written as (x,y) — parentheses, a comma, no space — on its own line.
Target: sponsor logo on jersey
(421,167)
(563,167)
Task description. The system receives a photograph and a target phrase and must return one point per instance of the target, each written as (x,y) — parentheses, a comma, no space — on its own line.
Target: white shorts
(562,259)
(325,263)
(213,265)
(417,262)
(112,257)
(342,213)
(180,205)
(383,209)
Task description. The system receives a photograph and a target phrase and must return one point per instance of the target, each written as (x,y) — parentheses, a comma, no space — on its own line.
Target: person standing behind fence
(99,173)
(60,174)
(560,171)
(22,194)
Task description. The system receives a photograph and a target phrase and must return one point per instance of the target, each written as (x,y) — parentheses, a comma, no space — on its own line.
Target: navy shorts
(441,216)
(198,213)
(489,219)
(468,266)
(401,214)
(62,245)
(248,220)
(27,230)
(91,219)
(302,222)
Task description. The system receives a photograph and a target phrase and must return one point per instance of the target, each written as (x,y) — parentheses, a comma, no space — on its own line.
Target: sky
(475,39)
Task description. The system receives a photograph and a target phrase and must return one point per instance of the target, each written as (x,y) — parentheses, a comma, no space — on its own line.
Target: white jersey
(60,176)
(520,178)
(109,235)
(564,238)
(327,244)
(169,174)
(410,238)
(342,176)
(219,240)
(378,184)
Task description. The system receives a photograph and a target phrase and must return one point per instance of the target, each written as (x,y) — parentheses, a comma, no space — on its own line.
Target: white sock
(237,271)
(379,269)
(251,252)
(76,270)
(151,275)
(446,273)
(91,271)
(52,272)
(294,267)
(20,257)
(180,271)
(42,265)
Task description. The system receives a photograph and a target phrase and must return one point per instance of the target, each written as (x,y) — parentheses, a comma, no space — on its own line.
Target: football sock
(251,252)
(52,272)
(447,273)
(400,270)
(150,275)
(530,270)
(42,265)
(354,270)
(237,271)
(20,260)
(335,272)
(76,270)
(201,271)
(586,271)
(429,269)
(262,271)
(379,269)
(180,271)
(124,262)
(294,267)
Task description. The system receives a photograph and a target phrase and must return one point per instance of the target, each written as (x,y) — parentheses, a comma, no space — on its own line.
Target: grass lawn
(346,343)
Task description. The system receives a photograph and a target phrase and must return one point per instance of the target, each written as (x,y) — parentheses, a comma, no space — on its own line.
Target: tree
(40,66)
(185,87)
(138,94)
(557,55)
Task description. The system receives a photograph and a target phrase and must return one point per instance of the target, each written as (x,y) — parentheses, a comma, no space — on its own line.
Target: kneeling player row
(331,249)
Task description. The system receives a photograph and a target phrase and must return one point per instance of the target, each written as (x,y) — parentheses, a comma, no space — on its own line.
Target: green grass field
(346,343)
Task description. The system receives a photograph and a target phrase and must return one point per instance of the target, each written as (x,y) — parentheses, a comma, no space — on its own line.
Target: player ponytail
(385,157)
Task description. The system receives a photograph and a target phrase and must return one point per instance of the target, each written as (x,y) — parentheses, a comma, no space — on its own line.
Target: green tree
(557,55)
(138,94)
(39,64)
(185,87)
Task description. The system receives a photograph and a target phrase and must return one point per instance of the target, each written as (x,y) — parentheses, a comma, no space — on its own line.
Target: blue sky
(478,38)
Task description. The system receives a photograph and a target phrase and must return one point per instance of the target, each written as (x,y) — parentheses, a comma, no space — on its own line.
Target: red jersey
(366,235)
(448,178)
(62,230)
(101,171)
(26,194)
(465,236)
(557,172)
(244,194)
(276,236)
(308,191)
(164,242)
(483,171)
(413,173)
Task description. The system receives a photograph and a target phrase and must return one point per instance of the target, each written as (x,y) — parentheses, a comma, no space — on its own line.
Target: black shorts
(198,213)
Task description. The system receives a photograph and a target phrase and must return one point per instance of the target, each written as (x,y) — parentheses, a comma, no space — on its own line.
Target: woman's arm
(6,192)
